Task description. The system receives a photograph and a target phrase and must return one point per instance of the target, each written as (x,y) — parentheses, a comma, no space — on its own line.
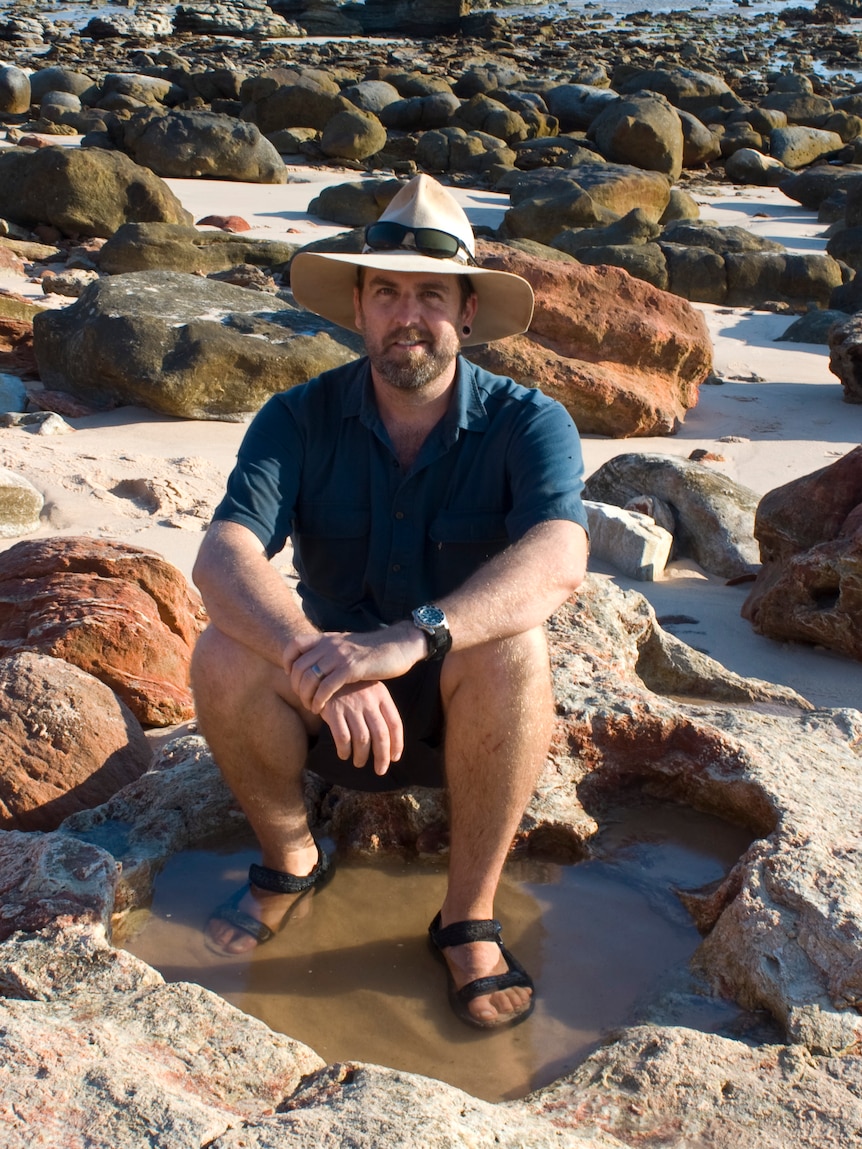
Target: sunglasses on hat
(389,236)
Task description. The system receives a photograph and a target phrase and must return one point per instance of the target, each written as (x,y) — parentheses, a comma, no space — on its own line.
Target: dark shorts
(417,696)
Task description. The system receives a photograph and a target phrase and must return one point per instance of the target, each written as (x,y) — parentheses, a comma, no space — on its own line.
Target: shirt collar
(466,411)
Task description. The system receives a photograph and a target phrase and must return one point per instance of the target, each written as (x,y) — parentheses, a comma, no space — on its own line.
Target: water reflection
(352,975)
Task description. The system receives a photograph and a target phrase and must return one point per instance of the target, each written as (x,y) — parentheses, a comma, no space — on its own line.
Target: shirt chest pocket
(331,548)
(461,541)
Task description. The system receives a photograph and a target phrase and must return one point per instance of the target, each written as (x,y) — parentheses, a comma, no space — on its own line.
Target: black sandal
(483,930)
(273,882)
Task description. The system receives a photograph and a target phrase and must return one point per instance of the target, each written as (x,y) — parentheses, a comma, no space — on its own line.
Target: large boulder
(195,144)
(623,357)
(285,99)
(577,105)
(67,742)
(546,202)
(352,135)
(182,345)
(454,149)
(845,356)
(20,505)
(644,131)
(797,146)
(810,533)
(14,91)
(172,247)
(686,88)
(88,192)
(714,515)
(119,612)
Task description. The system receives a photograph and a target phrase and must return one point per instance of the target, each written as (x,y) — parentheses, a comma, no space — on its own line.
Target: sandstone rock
(202,144)
(172,247)
(715,515)
(131,89)
(644,131)
(700,146)
(481,113)
(14,91)
(686,88)
(59,79)
(420,113)
(800,107)
(796,147)
(182,345)
(811,188)
(301,101)
(624,358)
(710,1091)
(845,356)
(813,327)
(753,277)
(453,149)
(810,535)
(121,613)
(749,166)
(353,135)
(187,1065)
(67,742)
(372,95)
(20,505)
(250,18)
(354,204)
(82,191)
(632,543)
(546,202)
(577,105)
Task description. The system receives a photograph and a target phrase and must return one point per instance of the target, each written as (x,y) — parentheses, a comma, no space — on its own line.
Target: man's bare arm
(245,596)
(512,593)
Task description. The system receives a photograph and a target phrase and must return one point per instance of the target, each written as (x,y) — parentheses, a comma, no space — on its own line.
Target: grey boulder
(181,345)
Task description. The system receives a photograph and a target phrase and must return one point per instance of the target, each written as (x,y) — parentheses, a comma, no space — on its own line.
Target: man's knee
(520,661)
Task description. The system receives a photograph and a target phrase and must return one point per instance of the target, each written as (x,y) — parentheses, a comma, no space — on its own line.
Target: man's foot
(488,986)
(258,911)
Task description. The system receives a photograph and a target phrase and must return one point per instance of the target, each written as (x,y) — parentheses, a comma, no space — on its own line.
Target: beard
(413,369)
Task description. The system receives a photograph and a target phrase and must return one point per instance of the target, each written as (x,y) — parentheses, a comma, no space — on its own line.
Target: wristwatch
(433,621)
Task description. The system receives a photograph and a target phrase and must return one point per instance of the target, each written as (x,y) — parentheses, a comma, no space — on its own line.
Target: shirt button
(399,514)
(396,567)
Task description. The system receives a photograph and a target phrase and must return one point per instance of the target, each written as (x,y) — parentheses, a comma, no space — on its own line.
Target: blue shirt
(372,541)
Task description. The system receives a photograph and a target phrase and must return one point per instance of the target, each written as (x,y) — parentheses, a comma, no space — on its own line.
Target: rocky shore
(599,132)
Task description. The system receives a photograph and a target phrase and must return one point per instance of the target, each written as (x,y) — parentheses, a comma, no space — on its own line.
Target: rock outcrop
(182,345)
(82,191)
(623,357)
(121,613)
(810,533)
(66,742)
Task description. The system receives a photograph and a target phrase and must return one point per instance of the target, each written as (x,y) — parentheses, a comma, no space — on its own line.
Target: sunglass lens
(438,244)
(383,236)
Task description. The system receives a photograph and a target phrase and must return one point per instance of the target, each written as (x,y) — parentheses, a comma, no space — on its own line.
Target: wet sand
(607,942)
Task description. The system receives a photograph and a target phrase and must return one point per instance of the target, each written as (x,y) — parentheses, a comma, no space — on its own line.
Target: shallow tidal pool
(606,941)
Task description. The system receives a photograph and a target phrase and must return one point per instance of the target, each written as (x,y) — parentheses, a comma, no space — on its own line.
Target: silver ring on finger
(317,672)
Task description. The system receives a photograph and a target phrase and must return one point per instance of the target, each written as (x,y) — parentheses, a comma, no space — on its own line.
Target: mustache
(408,335)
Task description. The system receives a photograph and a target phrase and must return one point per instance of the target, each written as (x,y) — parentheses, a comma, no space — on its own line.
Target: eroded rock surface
(119,612)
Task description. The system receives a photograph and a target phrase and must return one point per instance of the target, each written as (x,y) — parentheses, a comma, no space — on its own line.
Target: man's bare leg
(260,742)
(499,718)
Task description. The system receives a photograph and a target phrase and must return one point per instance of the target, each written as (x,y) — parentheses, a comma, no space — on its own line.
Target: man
(436,519)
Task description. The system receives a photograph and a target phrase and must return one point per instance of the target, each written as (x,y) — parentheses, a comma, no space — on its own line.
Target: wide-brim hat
(323,282)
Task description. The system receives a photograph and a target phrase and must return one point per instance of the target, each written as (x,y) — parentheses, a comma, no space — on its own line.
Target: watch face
(430,616)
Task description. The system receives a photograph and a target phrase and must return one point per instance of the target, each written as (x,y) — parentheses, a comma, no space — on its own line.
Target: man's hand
(365,723)
(321,665)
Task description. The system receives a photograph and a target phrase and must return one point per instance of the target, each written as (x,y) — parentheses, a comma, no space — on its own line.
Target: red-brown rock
(16,348)
(67,743)
(232,223)
(624,357)
(809,587)
(120,612)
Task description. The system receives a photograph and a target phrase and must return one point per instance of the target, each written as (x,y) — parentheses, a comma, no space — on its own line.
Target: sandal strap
(462,933)
(240,920)
(278,882)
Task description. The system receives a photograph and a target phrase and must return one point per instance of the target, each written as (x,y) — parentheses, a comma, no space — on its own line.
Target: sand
(779,414)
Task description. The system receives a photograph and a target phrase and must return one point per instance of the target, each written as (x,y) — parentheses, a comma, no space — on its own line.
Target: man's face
(411,324)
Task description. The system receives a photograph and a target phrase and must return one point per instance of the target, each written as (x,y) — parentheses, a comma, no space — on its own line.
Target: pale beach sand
(154,481)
